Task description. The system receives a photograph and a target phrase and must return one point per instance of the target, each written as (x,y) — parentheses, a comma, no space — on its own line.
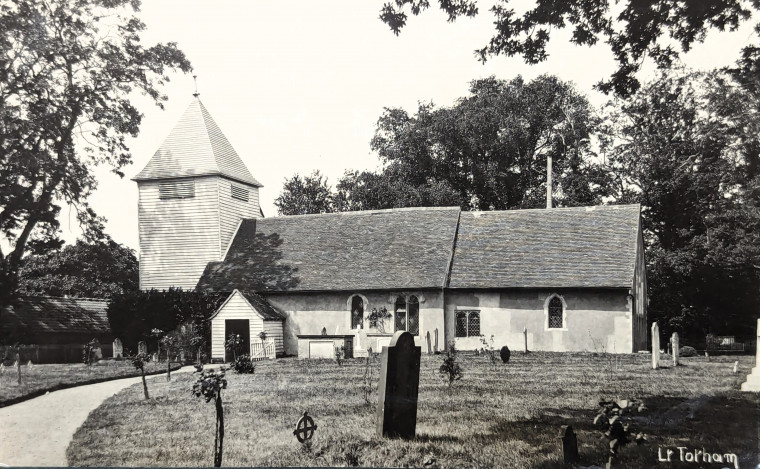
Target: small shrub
(368,385)
(233,344)
(243,365)
(488,350)
(339,354)
(616,427)
(687,351)
(88,351)
(450,369)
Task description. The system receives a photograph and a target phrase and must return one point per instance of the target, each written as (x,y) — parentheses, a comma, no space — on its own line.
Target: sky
(298,86)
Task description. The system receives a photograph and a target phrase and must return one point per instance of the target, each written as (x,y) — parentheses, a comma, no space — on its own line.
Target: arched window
(399,314)
(413,316)
(357,312)
(556,313)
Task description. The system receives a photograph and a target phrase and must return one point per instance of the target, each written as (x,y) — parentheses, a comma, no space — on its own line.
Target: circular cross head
(305,428)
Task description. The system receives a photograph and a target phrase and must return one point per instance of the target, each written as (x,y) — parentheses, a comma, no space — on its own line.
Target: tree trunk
(219,440)
(145,385)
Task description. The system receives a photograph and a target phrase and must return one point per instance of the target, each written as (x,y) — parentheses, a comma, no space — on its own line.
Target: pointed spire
(196,147)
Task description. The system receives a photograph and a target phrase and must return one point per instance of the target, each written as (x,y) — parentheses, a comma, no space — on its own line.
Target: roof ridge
(363,212)
(50,297)
(584,208)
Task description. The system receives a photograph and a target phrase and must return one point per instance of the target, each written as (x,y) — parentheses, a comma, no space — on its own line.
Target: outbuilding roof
(49,315)
(377,249)
(557,248)
(196,147)
(583,247)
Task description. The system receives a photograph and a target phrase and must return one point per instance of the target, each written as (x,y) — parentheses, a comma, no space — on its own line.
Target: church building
(568,279)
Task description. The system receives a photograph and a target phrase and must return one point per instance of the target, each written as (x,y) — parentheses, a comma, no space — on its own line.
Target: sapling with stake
(209,386)
(139,361)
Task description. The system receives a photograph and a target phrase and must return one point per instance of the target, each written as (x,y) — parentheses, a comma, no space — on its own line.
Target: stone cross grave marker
(399,384)
(569,444)
(427,338)
(674,344)
(360,343)
(655,345)
(305,428)
(753,379)
(118,349)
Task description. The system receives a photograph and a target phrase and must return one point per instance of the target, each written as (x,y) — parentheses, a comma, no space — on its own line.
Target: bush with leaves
(450,369)
(209,386)
(234,344)
(88,351)
(243,364)
(616,427)
(377,318)
(488,349)
(340,353)
(139,362)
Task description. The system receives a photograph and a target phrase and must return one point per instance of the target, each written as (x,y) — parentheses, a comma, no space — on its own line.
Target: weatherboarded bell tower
(194,192)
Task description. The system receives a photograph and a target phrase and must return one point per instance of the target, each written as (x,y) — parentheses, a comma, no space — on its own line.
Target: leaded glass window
(555,313)
(468,324)
(400,314)
(357,312)
(407,315)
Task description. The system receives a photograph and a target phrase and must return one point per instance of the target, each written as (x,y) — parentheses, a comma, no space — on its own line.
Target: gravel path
(38,431)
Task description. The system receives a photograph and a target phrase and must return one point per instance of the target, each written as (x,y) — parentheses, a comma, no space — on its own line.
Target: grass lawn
(41,378)
(496,416)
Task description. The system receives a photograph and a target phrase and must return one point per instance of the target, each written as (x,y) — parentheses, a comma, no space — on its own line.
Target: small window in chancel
(357,312)
(556,313)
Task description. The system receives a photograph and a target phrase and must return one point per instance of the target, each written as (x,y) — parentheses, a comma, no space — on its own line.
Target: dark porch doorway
(242,328)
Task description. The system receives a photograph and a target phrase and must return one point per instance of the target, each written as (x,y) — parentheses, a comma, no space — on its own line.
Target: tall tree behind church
(491,147)
(68,71)
(687,148)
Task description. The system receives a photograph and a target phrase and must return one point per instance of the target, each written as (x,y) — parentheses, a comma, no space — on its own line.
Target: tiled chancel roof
(382,249)
(584,247)
(556,248)
(43,315)
(196,147)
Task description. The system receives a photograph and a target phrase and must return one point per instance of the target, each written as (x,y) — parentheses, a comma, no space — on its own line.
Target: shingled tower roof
(196,147)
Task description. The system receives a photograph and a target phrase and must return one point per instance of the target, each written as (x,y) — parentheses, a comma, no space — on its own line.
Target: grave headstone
(736,367)
(655,345)
(569,445)
(29,365)
(525,333)
(753,379)
(399,385)
(118,349)
(142,347)
(505,353)
(324,331)
(435,345)
(427,339)
(674,344)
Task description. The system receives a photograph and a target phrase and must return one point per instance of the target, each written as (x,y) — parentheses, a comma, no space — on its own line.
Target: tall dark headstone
(569,444)
(399,384)
(435,346)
